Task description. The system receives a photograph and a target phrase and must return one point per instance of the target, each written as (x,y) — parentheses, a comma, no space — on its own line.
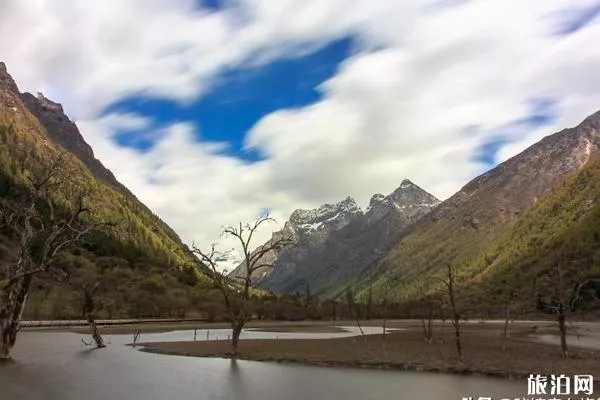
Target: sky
(213,111)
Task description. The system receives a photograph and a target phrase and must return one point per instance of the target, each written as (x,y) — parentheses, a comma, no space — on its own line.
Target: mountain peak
(326,215)
(338,242)
(60,128)
(406,183)
(6,81)
(592,121)
(376,199)
(48,104)
(407,195)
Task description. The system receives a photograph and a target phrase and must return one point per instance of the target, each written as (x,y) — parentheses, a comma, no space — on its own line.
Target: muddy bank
(483,353)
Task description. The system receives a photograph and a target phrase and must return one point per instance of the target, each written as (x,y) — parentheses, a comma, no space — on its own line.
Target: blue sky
(213,5)
(436,91)
(542,112)
(572,19)
(239,98)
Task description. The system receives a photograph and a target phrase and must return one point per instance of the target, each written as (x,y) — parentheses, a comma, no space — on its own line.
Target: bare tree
(90,307)
(354,311)
(450,284)
(307,300)
(40,234)
(369,299)
(90,304)
(426,307)
(331,309)
(507,317)
(384,313)
(236,292)
(564,299)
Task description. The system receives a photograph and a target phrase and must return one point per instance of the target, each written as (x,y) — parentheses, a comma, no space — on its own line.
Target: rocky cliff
(336,242)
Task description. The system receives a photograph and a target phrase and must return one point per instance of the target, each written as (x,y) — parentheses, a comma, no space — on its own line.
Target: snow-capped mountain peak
(229,259)
(406,184)
(406,197)
(327,216)
(336,242)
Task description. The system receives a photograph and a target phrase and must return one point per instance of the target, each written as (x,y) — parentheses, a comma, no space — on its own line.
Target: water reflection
(57,366)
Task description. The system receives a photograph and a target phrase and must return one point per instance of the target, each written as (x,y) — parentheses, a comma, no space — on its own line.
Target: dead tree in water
(40,234)
(236,291)
(136,336)
(90,308)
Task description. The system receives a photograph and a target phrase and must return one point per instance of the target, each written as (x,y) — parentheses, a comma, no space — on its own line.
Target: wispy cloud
(399,106)
(542,113)
(575,17)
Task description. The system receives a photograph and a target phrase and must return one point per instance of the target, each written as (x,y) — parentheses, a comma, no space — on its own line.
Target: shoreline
(404,351)
(159,326)
(458,370)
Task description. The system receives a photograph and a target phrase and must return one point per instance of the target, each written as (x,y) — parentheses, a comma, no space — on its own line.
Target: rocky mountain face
(562,228)
(34,131)
(337,242)
(309,229)
(48,121)
(65,133)
(463,227)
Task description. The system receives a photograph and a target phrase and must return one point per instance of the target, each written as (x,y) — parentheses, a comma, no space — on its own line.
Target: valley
(437,234)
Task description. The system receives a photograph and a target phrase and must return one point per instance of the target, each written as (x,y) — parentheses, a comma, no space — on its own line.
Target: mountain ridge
(137,254)
(464,225)
(320,254)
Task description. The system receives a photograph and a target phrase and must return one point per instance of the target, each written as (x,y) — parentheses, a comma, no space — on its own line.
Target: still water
(57,366)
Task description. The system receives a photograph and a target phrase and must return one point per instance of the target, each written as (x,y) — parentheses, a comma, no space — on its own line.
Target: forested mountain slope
(461,229)
(136,258)
(561,231)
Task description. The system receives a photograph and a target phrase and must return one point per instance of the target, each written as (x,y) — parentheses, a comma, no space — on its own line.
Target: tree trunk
(237,326)
(369,303)
(361,330)
(10,317)
(20,300)
(89,308)
(384,328)
(430,332)
(94,332)
(4,337)
(456,324)
(505,334)
(427,331)
(563,332)
(425,335)
(456,316)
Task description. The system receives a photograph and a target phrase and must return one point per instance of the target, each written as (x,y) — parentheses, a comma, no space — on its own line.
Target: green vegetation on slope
(136,259)
(462,229)
(563,227)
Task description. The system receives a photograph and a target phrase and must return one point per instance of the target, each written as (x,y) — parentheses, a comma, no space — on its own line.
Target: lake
(58,366)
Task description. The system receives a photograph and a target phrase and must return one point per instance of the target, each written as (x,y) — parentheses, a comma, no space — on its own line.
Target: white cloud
(427,85)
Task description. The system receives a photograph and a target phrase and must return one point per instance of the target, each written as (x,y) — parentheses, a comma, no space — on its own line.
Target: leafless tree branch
(234,296)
